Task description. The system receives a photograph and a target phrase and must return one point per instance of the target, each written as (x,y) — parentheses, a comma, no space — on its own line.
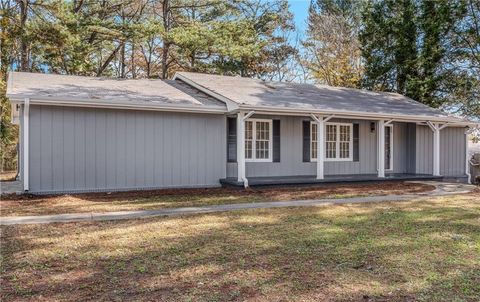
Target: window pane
(331,142)
(344,150)
(248,130)
(248,149)
(313,140)
(344,133)
(331,149)
(331,133)
(262,140)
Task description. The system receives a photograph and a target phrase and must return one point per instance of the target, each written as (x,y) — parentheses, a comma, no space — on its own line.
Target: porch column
(436,150)
(320,147)
(26,140)
(240,147)
(381,148)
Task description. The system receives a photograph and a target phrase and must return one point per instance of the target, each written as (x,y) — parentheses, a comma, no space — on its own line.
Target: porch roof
(255,94)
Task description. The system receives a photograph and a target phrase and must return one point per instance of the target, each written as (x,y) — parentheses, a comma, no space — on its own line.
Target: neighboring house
(83,134)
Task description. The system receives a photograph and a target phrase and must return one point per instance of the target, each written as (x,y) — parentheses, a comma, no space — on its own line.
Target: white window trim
(337,155)
(391,147)
(254,139)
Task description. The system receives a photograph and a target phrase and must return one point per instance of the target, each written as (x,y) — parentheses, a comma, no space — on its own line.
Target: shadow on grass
(422,250)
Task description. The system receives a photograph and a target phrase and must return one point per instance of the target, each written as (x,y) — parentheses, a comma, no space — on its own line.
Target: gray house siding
(82,149)
(452,151)
(412,151)
(424,157)
(291,163)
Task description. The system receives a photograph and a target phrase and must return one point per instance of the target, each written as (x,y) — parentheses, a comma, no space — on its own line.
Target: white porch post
(320,147)
(381,148)
(26,134)
(240,147)
(436,150)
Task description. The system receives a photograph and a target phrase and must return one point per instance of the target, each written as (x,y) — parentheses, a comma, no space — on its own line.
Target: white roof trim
(356,114)
(76,102)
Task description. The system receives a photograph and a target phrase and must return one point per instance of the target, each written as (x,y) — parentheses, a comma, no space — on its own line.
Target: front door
(389,147)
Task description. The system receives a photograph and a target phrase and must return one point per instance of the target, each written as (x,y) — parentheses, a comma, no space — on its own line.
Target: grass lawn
(419,250)
(147,200)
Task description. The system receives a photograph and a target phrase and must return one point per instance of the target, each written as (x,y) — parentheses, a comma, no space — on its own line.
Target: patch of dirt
(266,193)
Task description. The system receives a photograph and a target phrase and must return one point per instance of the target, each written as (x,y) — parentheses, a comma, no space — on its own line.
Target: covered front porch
(298,180)
(268,148)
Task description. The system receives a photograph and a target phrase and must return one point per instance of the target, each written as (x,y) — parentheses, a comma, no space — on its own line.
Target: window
(338,142)
(258,140)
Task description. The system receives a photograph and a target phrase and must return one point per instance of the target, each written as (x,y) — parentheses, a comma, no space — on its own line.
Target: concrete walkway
(441,190)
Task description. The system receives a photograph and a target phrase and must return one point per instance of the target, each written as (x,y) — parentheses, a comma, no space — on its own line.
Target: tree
(332,50)
(407,47)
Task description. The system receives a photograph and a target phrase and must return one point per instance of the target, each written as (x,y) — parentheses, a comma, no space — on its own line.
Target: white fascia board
(77,102)
(231,105)
(356,115)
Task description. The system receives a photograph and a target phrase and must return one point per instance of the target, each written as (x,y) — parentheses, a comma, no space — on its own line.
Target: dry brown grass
(8,175)
(420,250)
(147,200)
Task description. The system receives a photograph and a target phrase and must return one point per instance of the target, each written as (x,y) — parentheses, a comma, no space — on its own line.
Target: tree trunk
(134,73)
(165,54)
(122,61)
(23,38)
(166,44)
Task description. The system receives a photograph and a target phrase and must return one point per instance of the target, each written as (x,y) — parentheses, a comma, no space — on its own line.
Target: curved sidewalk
(441,190)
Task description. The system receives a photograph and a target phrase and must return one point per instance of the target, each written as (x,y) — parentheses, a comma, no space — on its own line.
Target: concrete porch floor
(305,180)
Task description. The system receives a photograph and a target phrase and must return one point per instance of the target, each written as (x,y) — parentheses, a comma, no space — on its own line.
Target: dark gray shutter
(231,139)
(306,141)
(276,141)
(356,142)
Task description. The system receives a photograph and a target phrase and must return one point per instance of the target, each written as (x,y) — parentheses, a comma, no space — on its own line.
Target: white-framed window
(258,140)
(338,142)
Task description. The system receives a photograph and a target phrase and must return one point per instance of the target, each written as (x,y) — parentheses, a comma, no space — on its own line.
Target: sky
(299,9)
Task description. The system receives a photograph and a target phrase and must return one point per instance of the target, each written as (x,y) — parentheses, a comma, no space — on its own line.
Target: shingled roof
(151,93)
(255,93)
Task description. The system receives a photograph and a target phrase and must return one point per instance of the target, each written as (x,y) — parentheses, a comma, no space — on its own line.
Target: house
(81,134)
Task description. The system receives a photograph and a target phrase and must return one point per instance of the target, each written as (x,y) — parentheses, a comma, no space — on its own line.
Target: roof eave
(108,104)
(353,114)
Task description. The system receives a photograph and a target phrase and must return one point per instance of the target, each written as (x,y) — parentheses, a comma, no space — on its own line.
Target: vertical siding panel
(35,140)
(46,160)
(68,149)
(57,148)
(110,150)
(101,149)
(171,149)
(149,147)
(130,156)
(122,139)
(139,157)
(79,149)
(159,150)
(90,147)
(184,160)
